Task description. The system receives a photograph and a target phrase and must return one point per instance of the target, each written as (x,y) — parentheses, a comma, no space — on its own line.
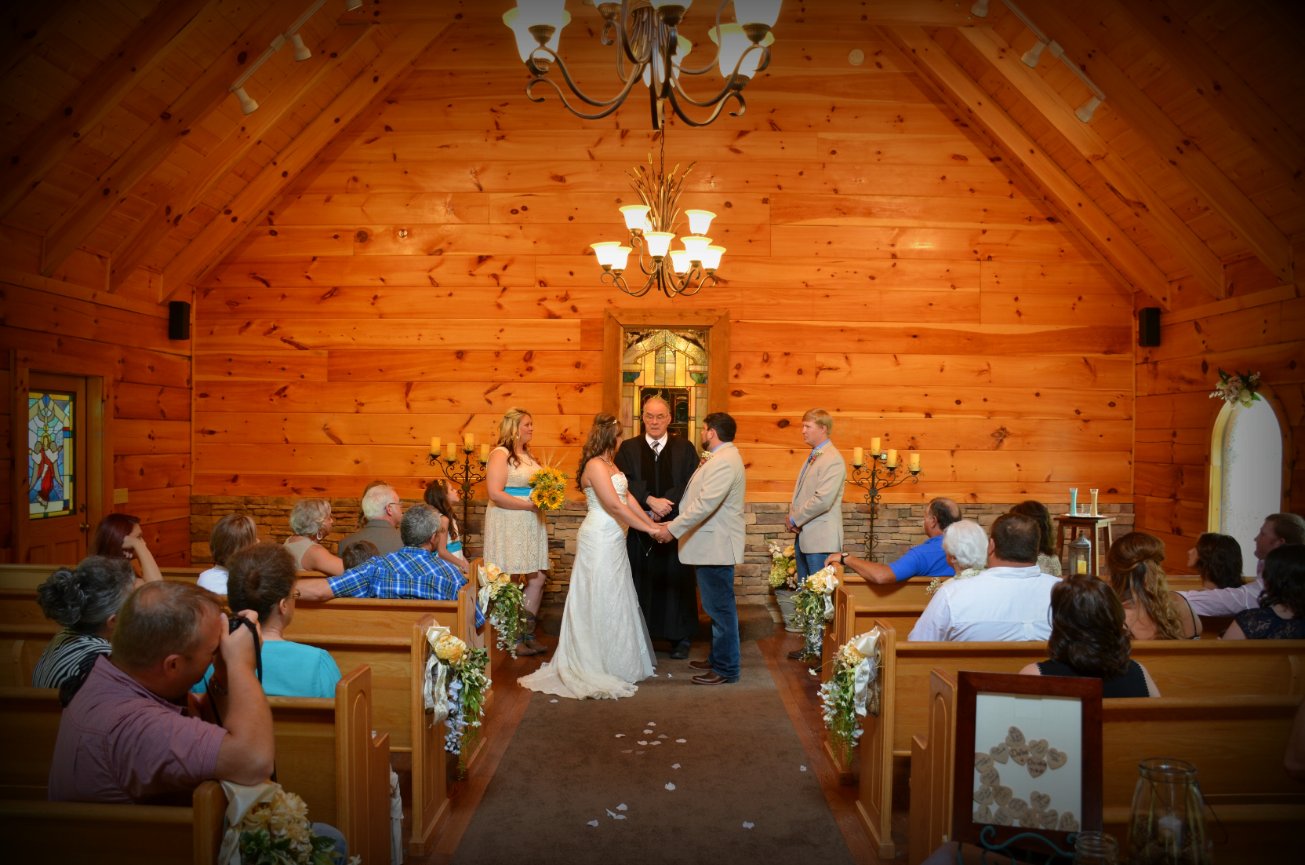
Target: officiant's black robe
(667,589)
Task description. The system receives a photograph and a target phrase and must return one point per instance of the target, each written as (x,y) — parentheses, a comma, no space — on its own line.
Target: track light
(1087,109)
(247,103)
(979,9)
(301,50)
(1034,54)
(352,5)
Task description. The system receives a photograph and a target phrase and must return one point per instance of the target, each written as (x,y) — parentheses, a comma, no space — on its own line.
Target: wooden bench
(1236,743)
(1179,667)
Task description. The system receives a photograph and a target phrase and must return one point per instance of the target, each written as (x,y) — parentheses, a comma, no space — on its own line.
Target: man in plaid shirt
(415,571)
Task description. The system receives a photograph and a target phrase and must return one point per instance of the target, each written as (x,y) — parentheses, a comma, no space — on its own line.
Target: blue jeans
(716,587)
(807,563)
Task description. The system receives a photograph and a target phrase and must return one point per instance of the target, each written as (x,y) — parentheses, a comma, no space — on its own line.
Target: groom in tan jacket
(816,512)
(710,532)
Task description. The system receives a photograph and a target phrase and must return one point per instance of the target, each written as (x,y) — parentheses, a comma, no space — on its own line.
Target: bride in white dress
(604,646)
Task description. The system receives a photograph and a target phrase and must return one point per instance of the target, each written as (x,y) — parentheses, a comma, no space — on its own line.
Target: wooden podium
(1098,528)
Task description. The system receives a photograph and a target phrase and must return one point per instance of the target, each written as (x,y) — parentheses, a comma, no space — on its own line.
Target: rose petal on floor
(670,786)
(593,823)
(748,824)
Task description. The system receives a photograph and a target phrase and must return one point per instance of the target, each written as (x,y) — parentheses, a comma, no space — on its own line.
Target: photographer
(127,735)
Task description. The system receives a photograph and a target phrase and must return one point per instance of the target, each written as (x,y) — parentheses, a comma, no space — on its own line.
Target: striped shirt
(412,572)
(65,656)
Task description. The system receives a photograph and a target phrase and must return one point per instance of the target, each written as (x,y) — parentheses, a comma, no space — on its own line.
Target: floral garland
(936,582)
(783,566)
(275,830)
(461,704)
(1237,387)
(813,606)
(851,691)
(503,603)
(548,488)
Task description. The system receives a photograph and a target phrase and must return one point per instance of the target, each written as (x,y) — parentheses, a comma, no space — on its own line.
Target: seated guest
(356,553)
(966,546)
(1008,601)
(442,498)
(1048,557)
(263,580)
(1281,614)
(311,520)
(85,601)
(1089,639)
(1278,529)
(1137,574)
(119,536)
(381,510)
(126,737)
(233,532)
(925,560)
(1218,559)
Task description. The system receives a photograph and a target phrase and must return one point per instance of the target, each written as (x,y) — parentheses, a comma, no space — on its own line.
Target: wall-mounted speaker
(178,319)
(1148,326)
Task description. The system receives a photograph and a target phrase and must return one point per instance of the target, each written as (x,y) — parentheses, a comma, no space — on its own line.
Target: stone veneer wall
(898,527)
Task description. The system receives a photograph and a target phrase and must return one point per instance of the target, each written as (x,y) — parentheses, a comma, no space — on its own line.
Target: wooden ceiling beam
(178,200)
(219,237)
(103,90)
(151,149)
(29,25)
(1064,196)
(1172,145)
(1132,190)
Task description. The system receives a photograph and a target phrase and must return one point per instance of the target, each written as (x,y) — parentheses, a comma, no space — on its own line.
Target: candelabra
(874,478)
(465,473)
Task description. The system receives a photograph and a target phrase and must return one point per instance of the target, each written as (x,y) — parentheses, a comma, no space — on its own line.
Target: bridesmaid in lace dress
(516,538)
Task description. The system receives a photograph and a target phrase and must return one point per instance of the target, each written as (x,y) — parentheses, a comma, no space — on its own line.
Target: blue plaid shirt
(412,572)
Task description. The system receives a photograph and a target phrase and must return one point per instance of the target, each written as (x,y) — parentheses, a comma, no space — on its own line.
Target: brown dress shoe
(700,665)
(710,679)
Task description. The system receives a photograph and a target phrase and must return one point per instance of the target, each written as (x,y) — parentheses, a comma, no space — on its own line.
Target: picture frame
(1028,752)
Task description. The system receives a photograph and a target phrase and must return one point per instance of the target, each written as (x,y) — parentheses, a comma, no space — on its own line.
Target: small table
(1100,535)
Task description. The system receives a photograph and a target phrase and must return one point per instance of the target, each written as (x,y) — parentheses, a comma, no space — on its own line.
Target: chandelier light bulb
(699,220)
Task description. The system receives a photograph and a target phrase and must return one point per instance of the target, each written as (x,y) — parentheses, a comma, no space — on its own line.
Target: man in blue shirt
(924,560)
(415,571)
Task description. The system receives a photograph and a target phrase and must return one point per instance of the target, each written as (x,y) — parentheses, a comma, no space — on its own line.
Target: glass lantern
(1080,557)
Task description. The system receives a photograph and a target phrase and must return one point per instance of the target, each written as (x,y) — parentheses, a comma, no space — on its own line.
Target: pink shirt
(119,742)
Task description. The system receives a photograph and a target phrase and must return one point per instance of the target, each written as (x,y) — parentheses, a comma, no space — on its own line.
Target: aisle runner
(679,773)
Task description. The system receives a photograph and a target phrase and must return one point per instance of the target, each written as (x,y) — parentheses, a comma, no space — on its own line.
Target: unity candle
(435,445)
(892,458)
(858,457)
(915,462)
(874,447)
(451,451)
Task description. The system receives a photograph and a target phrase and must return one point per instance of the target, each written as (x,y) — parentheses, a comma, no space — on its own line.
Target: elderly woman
(1048,559)
(1089,639)
(1281,614)
(233,532)
(1218,559)
(1151,611)
(85,602)
(966,546)
(262,579)
(119,536)
(311,520)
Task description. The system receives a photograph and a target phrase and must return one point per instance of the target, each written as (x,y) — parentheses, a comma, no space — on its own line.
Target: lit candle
(1094,502)
(451,451)
(915,462)
(484,453)
(435,445)
(1080,567)
(469,442)
(858,457)
(874,447)
(892,458)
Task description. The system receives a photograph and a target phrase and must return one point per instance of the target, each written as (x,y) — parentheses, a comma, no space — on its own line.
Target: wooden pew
(1236,744)
(1180,668)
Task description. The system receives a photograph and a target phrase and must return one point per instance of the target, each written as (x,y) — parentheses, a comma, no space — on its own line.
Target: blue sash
(454,546)
(517,491)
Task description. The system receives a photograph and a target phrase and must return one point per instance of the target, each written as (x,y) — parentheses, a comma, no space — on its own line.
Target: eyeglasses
(394,505)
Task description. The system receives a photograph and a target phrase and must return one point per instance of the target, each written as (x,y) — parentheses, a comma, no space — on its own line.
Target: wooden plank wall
(71,323)
(434,270)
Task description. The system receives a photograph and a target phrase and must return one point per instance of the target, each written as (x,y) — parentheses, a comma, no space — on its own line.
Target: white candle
(915,462)
(874,447)
(435,445)
(451,451)
(484,453)
(858,457)
(468,442)
(1095,512)
(892,458)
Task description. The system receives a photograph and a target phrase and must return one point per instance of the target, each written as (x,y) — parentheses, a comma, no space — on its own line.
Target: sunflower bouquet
(548,488)
(504,605)
(783,566)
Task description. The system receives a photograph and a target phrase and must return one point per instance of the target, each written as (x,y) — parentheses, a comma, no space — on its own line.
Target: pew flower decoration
(851,692)
(1237,387)
(456,686)
(813,605)
(783,566)
(548,488)
(274,830)
(503,604)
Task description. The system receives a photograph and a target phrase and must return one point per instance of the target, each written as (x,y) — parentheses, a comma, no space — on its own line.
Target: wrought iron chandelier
(651,225)
(650,49)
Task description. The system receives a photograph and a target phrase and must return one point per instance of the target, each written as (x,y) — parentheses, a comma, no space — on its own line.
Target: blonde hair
(822,418)
(601,440)
(509,434)
(1137,576)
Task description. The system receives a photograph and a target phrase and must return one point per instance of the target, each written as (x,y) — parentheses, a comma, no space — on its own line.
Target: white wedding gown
(604,647)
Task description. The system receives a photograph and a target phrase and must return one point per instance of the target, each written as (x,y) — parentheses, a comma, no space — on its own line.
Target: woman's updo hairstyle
(82,599)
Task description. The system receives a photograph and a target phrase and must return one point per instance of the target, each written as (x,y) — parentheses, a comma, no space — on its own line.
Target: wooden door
(58,428)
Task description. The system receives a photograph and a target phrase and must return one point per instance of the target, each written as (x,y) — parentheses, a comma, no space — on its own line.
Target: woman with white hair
(311,520)
(966,546)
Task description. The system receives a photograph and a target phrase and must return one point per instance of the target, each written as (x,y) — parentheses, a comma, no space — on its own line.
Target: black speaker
(1148,326)
(178,319)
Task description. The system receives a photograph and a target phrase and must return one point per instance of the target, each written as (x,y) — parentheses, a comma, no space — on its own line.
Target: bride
(604,646)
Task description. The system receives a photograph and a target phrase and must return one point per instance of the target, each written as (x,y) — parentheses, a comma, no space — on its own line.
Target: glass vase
(1168,825)
(1095,848)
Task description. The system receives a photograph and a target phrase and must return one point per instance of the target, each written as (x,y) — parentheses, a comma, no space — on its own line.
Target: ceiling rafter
(219,237)
(1066,198)
(1155,128)
(1132,189)
(145,154)
(38,155)
(30,24)
(180,198)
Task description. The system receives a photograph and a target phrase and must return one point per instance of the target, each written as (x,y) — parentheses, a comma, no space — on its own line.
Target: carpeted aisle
(679,773)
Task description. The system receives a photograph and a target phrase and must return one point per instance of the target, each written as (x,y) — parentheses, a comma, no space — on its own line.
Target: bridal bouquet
(548,488)
(503,604)
(783,566)
(1237,387)
(813,605)
(852,689)
(463,697)
(275,830)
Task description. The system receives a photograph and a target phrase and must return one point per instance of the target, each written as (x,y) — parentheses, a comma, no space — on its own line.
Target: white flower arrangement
(783,566)
(503,603)
(813,605)
(1237,387)
(274,830)
(851,692)
(460,702)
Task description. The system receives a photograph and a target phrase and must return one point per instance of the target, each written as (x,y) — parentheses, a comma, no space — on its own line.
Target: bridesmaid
(442,498)
(516,539)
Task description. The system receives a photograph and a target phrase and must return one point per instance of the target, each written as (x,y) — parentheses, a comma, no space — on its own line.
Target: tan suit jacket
(817,506)
(710,524)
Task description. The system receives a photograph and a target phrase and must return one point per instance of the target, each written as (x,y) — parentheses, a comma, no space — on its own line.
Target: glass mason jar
(1168,826)
(1095,848)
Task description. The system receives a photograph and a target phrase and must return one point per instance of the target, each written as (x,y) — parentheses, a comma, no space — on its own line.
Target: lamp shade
(622,258)
(680,261)
(636,217)
(696,246)
(757,11)
(653,71)
(521,18)
(606,251)
(711,257)
(699,220)
(732,43)
(658,242)
(657,4)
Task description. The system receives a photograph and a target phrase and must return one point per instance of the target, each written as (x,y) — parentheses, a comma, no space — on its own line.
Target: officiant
(657,466)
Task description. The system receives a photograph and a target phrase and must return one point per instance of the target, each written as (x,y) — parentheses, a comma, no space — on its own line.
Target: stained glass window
(50,429)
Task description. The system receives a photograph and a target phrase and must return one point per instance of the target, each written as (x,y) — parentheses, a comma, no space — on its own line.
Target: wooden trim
(715,321)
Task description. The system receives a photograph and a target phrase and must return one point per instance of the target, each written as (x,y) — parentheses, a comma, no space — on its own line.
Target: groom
(710,532)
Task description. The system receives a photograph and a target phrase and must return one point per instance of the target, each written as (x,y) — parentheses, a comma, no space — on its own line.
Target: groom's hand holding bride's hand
(661,534)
